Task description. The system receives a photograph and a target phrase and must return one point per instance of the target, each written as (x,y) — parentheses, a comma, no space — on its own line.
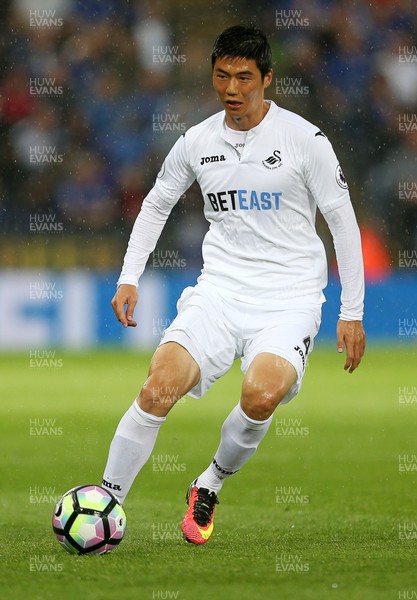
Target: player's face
(240,87)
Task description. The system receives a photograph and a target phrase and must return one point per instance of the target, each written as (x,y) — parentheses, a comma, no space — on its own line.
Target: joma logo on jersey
(212,159)
(274,161)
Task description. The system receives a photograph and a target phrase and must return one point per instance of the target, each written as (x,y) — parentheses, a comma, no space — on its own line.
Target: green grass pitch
(322,511)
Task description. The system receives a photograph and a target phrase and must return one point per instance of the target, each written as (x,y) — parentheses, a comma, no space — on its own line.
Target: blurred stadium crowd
(93,94)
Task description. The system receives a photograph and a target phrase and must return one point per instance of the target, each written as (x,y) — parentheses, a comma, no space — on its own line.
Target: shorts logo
(307,343)
(212,159)
(340,178)
(274,161)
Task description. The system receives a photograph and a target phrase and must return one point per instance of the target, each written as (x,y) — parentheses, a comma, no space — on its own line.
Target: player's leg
(274,362)
(172,373)
(266,383)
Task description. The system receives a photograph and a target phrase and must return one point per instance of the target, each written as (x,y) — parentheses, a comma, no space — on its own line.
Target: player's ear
(268,78)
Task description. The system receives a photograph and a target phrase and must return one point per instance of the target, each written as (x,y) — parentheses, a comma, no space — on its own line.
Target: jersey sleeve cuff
(350,316)
(127,280)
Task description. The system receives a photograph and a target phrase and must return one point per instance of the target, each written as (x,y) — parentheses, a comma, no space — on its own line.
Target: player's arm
(143,239)
(347,242)
(326,182)
(173,179)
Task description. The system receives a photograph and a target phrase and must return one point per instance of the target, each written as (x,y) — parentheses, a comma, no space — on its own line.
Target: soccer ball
(88,519)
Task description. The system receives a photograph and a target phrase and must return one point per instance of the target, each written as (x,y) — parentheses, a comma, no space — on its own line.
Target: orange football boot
(197,525)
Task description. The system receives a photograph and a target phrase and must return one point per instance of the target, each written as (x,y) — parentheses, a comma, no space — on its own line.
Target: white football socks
(131,447)
(240,438)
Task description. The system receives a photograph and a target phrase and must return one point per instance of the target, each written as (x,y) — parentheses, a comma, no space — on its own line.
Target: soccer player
(262,171)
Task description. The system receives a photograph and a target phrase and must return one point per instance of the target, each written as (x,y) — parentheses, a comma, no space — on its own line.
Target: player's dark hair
(244,42)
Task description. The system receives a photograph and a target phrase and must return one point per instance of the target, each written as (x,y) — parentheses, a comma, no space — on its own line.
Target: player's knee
(159,392)
(261,399)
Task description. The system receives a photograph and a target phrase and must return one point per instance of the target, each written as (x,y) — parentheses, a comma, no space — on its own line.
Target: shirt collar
(269,115)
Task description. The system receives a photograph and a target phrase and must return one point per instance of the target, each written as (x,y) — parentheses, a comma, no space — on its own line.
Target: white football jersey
(261,202)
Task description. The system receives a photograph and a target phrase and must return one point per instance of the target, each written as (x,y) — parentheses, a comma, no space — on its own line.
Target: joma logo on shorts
(306,342)
(212,159)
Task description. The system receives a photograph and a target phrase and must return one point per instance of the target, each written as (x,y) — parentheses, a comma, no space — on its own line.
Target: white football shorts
(216,330)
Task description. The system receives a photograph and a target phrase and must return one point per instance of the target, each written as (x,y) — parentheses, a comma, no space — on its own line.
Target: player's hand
(125,295)
(351,335)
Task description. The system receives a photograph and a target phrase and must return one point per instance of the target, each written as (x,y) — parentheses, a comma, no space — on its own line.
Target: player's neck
(250,120)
